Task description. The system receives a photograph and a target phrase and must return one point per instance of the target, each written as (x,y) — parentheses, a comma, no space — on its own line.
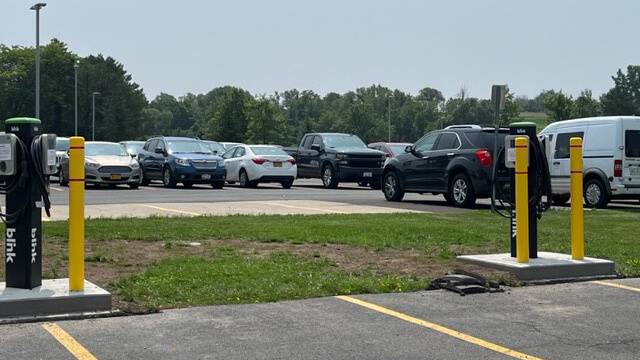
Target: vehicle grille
(114,169)
(205,164)
(366,163)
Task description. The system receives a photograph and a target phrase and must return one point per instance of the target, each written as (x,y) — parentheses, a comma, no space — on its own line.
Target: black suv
(456,162)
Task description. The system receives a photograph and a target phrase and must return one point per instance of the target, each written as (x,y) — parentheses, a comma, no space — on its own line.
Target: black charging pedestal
(23,238)
(528,129)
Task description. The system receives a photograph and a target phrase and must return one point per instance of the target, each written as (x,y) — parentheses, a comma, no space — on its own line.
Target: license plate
(367,174)
(116,176)
(206,176)
(634,171)
(277,164)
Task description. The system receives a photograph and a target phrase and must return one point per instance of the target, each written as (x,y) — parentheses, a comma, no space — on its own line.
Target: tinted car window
(267,150)
(426,143)
(632,143)
(562,144)
(475,138)
(240,152)
(229,153)
(448,141)
(344,141)
(317,140)
(151,145)
(307,142)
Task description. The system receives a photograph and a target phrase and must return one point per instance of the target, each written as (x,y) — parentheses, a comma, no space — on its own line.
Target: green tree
(585,105)
(558,106)
(624,97)
(266,122)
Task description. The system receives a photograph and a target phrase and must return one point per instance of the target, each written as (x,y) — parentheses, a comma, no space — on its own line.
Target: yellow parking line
(171,210)
(626,287)
(439,328)
(68,342)
(301,207)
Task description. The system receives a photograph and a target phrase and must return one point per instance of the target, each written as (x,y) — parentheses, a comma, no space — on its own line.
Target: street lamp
(389,108)
(75,73)
(93,127)
(37,8)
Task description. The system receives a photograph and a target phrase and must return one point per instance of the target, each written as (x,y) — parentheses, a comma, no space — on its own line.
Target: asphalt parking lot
(595,320)
(307,196)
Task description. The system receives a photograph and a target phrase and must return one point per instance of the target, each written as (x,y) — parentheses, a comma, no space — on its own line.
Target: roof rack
(472,126)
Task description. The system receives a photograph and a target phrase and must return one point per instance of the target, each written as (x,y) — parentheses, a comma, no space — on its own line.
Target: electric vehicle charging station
(27,157)
(534,184)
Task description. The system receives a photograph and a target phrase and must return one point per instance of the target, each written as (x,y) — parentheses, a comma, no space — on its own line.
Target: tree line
(230,113)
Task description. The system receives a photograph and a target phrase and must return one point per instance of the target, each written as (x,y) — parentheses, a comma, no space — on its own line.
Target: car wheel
(244,180)
(328,177)
(595,194)
(559,200)
(63,181)
(217,184)
(375,185)
(134,186)
(167,178)
(286,184)
(392,189)
(461,191)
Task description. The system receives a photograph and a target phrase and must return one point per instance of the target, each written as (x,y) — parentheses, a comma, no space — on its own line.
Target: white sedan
(253,164)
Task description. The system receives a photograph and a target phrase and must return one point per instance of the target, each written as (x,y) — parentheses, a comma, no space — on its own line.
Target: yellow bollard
(577,213)
(522,201)
(76,213)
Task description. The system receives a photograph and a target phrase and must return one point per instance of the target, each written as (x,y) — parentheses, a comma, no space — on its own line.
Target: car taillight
(292,161)
(617,168)
(484,158)
(259,161)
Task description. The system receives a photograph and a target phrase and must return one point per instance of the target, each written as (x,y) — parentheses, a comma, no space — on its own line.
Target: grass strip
(226,277)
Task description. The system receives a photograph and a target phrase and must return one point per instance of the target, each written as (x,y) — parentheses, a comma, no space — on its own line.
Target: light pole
(37,8)
(75,73)
(93,127)
(389,108)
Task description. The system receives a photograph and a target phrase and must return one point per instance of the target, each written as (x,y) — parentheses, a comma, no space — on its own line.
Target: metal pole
(75,68)
(389,106)
(76,213)
(93,123)
(37,8)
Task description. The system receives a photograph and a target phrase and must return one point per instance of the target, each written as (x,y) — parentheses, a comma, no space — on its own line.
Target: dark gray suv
(456,162)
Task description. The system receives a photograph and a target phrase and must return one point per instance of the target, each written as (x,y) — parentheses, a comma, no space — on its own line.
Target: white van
(610,158)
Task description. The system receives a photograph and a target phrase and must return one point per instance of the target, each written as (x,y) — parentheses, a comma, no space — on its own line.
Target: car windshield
(398,148)
(188,147)
(216,147)
(104,149)
(267,150)
(344,141)
(62,144)
(133,147)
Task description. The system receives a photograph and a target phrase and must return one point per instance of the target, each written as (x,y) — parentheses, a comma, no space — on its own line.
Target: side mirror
(315,147)
(159,151)
(409,149)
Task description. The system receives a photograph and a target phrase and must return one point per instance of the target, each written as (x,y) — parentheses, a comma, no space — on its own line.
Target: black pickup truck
(335,157)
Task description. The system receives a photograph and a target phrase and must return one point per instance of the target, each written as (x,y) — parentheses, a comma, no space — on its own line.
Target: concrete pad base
(52,297)
(548,266)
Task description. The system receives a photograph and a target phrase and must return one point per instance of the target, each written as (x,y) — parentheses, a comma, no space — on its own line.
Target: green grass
(541,119)
(608,233)
(229,278)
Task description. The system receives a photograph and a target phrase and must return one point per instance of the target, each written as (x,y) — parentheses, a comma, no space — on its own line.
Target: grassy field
(240,259)
(541,119)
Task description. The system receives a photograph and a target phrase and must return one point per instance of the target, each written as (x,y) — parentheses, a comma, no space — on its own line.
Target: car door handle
(556,163)
(450,154)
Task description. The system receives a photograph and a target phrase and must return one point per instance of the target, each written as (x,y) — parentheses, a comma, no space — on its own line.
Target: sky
(191,46)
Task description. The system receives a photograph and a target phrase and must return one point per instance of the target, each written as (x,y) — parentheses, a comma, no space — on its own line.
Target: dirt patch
(109,261)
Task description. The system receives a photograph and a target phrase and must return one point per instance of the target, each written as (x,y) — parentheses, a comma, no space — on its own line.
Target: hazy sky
(193,46)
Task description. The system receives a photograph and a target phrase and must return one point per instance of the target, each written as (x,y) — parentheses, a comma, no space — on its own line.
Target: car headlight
(341,156)
(135,164)
(221,163)
(183,162)
(91,164)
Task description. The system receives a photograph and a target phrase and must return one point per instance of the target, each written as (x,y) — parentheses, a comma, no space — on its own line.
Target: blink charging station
(539,183)
(27,158)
